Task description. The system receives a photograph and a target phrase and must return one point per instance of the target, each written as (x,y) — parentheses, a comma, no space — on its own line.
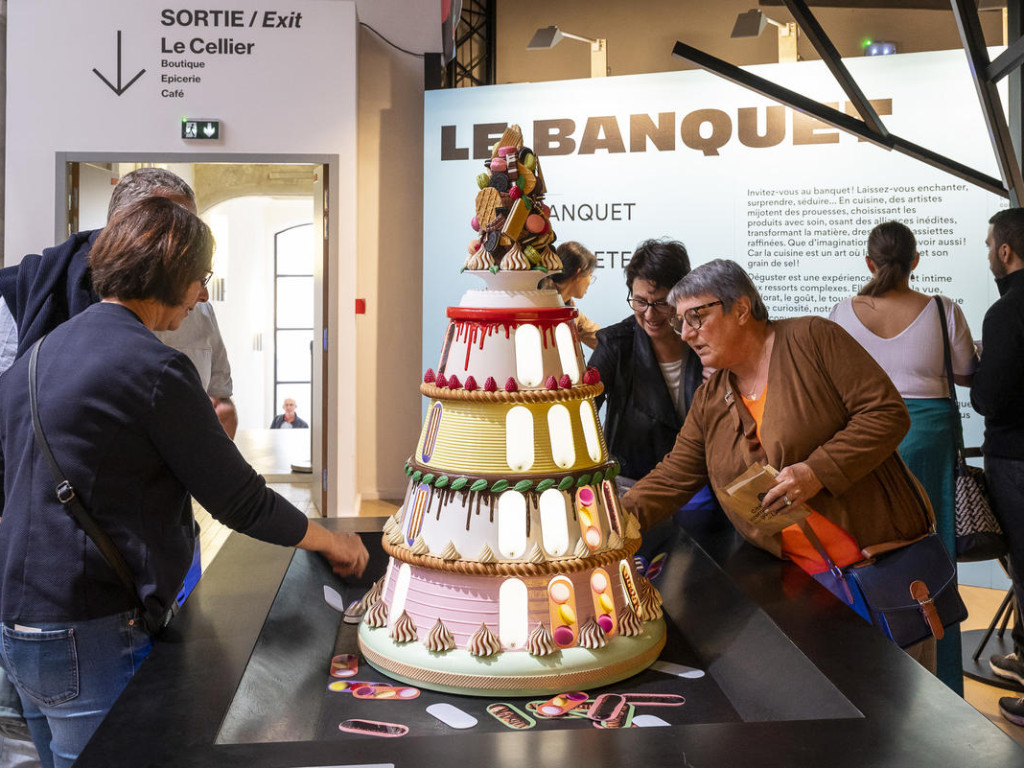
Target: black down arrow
(119,89)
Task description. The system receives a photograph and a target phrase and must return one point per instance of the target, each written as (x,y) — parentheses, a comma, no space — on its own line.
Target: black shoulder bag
(69,500)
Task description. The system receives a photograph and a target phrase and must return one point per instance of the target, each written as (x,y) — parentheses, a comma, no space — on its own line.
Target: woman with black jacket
(649,373)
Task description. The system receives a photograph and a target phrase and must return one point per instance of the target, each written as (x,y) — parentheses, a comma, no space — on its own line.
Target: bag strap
(948,363)
(834,569)
(69,500)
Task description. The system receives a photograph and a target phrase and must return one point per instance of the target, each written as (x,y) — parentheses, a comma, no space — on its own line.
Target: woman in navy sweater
(133,431)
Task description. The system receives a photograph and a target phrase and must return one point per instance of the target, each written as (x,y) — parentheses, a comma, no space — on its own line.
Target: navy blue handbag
(910,593)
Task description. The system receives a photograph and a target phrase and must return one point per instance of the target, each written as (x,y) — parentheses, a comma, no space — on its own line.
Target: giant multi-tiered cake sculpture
(511,566)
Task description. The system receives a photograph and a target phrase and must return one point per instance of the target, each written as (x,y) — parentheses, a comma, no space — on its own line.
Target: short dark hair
(576,259)
(891,247)
(664,262)
(151,249)
(148,182)
(1008,227)
(725,280)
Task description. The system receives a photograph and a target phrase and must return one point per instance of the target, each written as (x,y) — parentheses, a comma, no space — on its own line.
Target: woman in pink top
(900,328)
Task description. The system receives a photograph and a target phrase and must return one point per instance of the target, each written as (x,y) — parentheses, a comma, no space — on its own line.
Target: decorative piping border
(521,396)
(470,483)
(548,567)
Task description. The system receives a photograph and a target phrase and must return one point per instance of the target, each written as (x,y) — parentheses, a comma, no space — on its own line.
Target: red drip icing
(474,325)
(545,330)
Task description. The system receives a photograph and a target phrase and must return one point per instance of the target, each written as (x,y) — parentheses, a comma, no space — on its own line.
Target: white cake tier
(528,346)
(511,288)
(546,522)
(491,436)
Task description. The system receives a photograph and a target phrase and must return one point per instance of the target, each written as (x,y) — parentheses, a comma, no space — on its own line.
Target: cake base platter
(512,674)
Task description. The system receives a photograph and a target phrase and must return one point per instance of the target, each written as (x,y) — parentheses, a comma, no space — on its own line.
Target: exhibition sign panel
(689,156)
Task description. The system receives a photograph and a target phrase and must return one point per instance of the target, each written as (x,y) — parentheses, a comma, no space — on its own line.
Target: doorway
(270,290)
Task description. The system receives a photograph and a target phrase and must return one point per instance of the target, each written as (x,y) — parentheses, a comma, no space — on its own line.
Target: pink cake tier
(512,628)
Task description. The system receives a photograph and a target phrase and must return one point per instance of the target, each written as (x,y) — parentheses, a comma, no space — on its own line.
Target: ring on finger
(787,501)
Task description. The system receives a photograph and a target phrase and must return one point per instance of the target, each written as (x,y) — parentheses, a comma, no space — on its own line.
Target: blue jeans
(1006,492)
(68,675)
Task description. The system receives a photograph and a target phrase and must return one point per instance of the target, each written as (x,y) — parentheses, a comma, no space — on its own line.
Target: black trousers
(1006,491)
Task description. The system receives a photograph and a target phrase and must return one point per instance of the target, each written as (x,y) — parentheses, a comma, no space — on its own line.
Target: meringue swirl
(535,555)
(540,642)
(419,547)
(450,552)
(650,600)
(514,259)
(592,635)
(403,630)
(377,616)
(479,260)
(372,597)
(629,623)
(549,260)
(614,540)
(581,551)
(439,639)
(483,642)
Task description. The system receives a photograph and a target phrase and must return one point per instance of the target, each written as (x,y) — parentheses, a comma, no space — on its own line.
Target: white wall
(293,93)
(244,228)
(94,188)
(390,239)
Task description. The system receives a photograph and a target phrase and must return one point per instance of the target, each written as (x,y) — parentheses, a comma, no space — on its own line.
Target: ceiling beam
(814,32)
(969,26)
(834,117)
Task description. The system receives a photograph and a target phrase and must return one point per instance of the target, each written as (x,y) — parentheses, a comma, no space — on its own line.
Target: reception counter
(793,678)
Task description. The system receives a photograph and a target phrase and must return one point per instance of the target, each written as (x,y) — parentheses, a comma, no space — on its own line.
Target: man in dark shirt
(997,395)
(288,419)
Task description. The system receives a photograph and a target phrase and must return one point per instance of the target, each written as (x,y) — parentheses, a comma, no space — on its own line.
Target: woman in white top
(899,327)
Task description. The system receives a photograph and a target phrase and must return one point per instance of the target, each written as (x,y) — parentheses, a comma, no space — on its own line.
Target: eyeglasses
(660,307)
(204,281)
(693,317)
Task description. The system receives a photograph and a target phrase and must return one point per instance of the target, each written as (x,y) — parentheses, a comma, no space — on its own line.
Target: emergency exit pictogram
(200,129)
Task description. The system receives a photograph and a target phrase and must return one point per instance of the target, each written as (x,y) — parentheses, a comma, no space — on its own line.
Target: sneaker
(1012,709)
(1009,667)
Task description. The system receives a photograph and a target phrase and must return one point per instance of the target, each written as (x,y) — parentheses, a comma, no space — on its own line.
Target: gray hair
(148,182)
(723,279)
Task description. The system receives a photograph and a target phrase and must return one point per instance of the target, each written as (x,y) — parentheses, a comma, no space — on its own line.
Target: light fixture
(879,48)
(752,24)
(549,37)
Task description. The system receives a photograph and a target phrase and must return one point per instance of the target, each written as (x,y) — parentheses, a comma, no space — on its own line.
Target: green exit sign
(200,129)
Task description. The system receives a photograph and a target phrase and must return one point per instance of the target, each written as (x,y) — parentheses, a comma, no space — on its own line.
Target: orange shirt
(840,545)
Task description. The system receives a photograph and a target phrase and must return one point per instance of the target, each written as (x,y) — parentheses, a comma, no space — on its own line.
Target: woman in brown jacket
(799,395)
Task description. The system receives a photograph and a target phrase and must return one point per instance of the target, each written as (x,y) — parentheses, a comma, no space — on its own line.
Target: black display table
(239,679)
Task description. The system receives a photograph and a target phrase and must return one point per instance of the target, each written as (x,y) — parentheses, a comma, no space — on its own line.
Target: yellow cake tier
(499,438)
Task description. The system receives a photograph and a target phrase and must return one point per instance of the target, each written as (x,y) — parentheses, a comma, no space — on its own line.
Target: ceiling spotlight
(549,37)
(752,24)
